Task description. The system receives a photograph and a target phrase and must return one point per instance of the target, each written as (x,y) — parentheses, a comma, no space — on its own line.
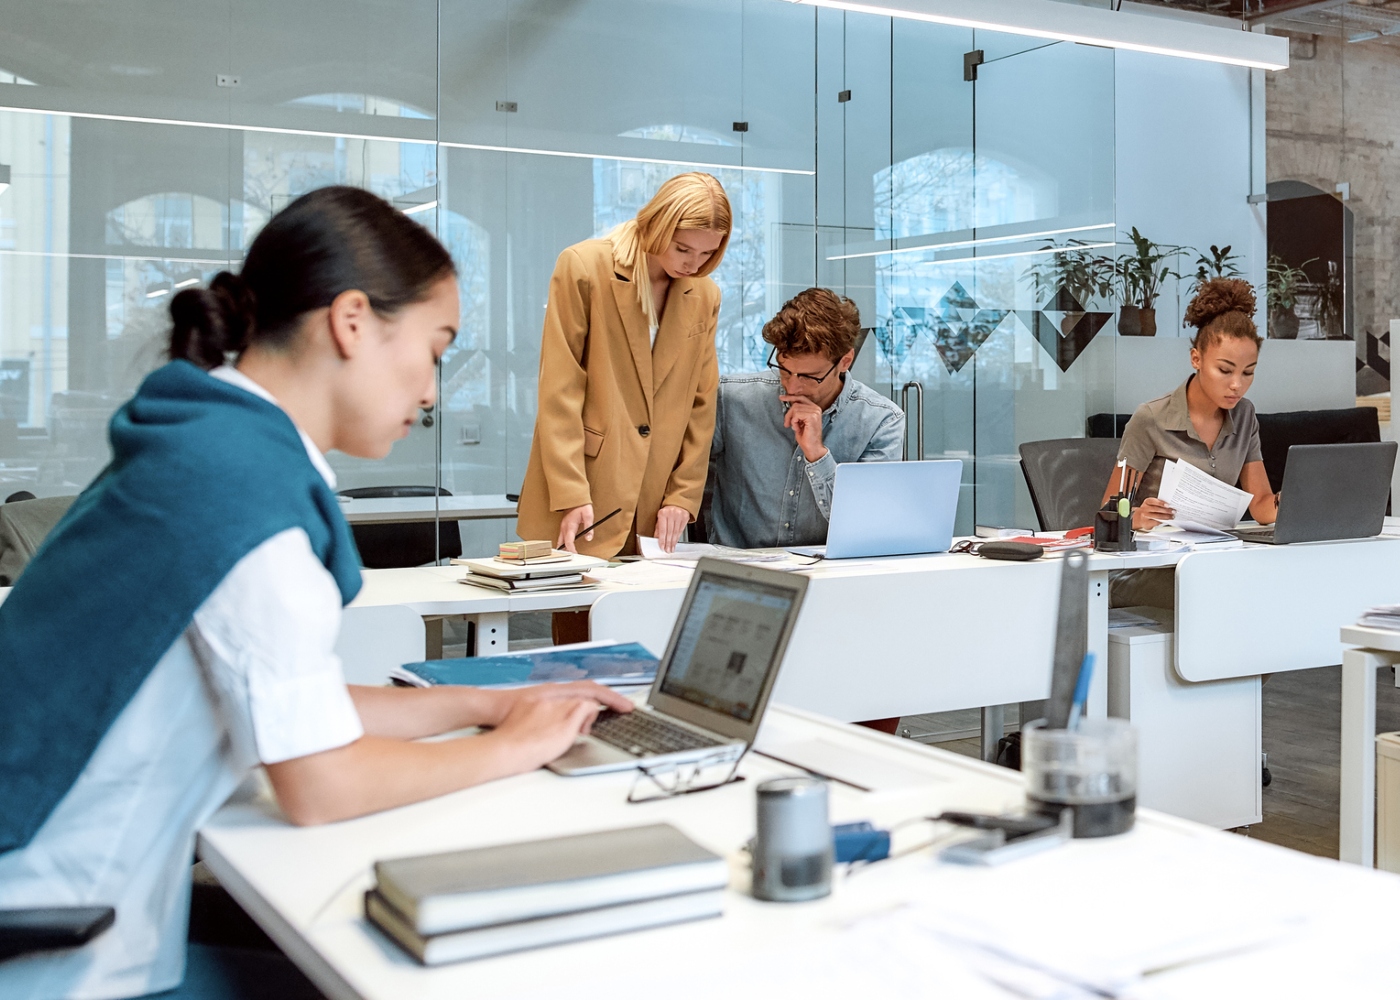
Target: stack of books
(558,571)
(527,551)
(492,900)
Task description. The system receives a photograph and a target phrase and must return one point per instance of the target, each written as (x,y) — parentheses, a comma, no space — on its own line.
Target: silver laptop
(713,682)
(890,509)
(1330,492)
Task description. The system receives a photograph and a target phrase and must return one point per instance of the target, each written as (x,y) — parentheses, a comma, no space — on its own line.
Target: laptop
(1330,492)
(713,682)
(890,509)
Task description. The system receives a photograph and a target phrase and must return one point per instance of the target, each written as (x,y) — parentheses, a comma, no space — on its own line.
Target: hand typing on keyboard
(643,734)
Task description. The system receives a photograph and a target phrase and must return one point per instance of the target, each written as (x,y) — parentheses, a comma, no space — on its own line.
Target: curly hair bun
(1217,297)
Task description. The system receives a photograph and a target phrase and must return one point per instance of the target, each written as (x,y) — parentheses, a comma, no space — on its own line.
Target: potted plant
(1282,285)
(1218,263)
(1140,276)
(1067,280)
(1331,314)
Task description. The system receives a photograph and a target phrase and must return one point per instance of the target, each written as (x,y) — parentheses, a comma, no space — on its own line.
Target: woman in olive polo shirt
(1205,421)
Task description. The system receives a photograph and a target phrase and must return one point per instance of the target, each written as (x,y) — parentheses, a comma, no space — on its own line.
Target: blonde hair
(686,201)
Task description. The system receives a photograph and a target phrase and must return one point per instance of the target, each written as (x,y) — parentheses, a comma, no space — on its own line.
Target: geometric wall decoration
(959,327)
(1064,331)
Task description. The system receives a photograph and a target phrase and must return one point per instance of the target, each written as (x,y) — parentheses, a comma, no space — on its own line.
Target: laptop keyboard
(1263,533)
(645,735)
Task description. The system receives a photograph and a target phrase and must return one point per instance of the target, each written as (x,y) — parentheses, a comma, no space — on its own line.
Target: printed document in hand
(1200,500)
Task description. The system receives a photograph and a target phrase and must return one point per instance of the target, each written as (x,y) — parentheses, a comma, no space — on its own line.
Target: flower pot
(1134,321)
(1283,324)
(1149,322)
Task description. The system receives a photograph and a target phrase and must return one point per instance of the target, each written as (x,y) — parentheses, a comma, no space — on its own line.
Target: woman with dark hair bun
(1206,420)
(205,569)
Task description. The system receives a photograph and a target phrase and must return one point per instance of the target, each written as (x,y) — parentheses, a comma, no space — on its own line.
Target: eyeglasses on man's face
(801,377)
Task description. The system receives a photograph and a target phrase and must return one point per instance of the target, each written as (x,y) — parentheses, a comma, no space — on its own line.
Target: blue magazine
(614,664)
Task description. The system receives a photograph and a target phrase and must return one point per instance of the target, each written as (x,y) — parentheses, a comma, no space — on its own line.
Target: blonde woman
(628,376)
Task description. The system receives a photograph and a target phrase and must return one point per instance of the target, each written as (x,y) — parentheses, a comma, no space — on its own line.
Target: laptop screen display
(727,645)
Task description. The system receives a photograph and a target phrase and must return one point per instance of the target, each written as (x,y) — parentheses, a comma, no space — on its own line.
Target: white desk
(890,637)
(1376,648)
(398,510)
(304,887)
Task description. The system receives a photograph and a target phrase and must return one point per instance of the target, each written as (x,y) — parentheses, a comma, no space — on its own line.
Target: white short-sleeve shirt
(254,679)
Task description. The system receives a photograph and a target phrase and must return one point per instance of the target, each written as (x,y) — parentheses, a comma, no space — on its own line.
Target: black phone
(48,928)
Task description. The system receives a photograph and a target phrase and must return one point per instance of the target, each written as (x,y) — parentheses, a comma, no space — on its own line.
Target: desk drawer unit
(1198,743)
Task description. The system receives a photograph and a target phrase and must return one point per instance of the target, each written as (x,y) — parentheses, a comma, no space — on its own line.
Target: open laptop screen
(728,644)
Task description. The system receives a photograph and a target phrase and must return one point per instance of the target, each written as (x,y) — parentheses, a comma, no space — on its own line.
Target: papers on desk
(1200,500)
(1103,915)
(1184,534)
(650,548)
(1386,616)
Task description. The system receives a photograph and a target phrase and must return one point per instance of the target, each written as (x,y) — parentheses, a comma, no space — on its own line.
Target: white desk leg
(1357,843)
(1098,643)
(993,727)
(492,633)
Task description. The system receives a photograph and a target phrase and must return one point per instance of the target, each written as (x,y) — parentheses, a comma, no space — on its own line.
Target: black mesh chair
(1066,478)
(1106,425)
(397,544)
(1280,431)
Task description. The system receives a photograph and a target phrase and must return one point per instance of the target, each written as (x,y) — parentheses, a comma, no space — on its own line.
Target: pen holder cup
(1113,532)
(1091,771)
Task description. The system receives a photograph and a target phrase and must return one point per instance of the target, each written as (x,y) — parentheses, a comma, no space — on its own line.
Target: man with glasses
(780,434)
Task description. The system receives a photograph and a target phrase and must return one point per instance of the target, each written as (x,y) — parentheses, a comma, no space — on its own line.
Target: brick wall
(1334,116)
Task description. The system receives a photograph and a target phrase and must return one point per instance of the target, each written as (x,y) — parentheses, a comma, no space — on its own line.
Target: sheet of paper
(1201,499)
(1107,912)
(650,548)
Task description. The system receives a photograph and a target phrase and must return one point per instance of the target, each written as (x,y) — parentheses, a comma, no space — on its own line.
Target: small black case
(1014,551)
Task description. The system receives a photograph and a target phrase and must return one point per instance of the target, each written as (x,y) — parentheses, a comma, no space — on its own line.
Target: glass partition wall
(958,185)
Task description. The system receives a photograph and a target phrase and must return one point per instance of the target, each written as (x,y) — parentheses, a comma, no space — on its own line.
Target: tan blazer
(620,424)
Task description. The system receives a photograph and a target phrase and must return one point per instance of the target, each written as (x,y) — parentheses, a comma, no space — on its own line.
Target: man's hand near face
(804,419)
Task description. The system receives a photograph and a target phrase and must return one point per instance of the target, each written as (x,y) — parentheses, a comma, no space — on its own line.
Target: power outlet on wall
(227,80)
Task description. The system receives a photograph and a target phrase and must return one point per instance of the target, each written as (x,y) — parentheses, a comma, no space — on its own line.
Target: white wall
(1183,163)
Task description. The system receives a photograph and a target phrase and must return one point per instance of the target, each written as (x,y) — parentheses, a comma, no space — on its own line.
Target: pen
(1122,472)
(580,534)
(1081,690)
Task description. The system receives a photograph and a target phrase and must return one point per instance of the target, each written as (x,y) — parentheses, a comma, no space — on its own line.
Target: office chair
(413,543)
(32,929)
(1279,431)
(24,524)
(1106,425)
(1066,478)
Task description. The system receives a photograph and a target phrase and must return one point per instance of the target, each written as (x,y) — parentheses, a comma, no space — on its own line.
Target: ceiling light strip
(322,134)
(222,261)
(979,258)
(1048,19)
(626,159)
(987,241)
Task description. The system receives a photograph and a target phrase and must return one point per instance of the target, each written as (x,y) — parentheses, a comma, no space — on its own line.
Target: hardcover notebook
(486,886)
(482,942)
(612,663)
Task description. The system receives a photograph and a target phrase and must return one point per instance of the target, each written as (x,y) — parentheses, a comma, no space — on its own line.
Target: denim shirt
(765,492)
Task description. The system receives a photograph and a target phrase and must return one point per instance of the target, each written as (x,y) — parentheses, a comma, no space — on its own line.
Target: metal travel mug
(792,853)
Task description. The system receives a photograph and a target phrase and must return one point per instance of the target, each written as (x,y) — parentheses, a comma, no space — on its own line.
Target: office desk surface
(304,886)
(370,510)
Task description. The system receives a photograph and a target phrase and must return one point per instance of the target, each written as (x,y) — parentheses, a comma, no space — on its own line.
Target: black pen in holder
(1113,530)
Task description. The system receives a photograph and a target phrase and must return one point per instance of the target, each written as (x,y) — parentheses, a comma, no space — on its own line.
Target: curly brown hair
(815,321)
(1223,307)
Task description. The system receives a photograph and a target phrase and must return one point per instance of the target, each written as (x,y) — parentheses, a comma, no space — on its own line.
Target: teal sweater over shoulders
(202,473)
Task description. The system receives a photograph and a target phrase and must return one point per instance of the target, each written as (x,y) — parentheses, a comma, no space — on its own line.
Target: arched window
(360,104)
(678,133)
(180,220)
